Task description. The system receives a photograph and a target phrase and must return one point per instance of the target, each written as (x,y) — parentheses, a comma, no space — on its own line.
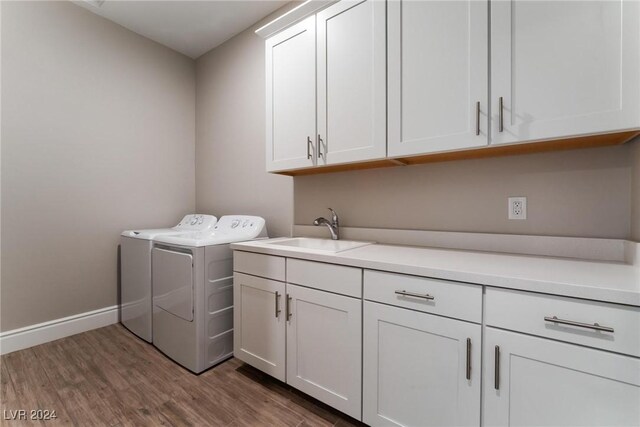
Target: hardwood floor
(108,377)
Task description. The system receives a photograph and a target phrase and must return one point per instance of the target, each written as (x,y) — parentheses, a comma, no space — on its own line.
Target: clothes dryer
(135,271)
(193,291)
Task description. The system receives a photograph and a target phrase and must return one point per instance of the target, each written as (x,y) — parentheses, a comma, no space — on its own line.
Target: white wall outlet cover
(517,208)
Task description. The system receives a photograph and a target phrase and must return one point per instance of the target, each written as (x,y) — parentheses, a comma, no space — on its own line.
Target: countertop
(614,282)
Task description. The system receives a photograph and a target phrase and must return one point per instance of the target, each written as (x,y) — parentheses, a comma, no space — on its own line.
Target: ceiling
(190,27)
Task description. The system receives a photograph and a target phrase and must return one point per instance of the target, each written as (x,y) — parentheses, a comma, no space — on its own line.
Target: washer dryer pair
(193,291)
(135,271)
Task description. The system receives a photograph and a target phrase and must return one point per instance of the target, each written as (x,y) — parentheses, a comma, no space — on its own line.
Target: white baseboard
(29,336)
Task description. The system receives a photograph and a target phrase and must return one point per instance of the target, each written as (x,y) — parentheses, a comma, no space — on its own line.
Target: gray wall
(230,136)
(573,193)
(635,191)
(97,137)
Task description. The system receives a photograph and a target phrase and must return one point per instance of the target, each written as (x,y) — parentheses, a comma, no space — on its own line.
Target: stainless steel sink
(322,245)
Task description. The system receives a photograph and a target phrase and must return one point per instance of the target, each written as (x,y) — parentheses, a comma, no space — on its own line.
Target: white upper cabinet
(291,97)
(564,68)
(438,75)
(374,79)
(351,82)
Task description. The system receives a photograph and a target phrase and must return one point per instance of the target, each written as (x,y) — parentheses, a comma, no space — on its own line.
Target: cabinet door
(351,82)
(259,323)
(415,369)
(564,68)
(438,75)
(324,347)
(541,382)
(291,97)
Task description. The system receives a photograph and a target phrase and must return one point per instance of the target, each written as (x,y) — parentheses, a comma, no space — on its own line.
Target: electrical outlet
(517,208)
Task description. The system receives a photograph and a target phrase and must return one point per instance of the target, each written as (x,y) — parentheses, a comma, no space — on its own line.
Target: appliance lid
(230,229)
(191,222)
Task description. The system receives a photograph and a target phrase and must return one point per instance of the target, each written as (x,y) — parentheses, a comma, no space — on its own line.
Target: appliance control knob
(235,223)
(194,221)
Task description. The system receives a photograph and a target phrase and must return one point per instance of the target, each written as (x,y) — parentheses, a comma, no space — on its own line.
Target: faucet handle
(334,217)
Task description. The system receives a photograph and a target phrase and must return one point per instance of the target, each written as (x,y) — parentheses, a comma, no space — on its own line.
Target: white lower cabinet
(324,350)
(396,360)
(530,381)
(259,323)
(306,337)
(419,369)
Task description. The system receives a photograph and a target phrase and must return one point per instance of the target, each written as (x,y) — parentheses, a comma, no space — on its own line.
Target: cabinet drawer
(442,297)
(327,277)
(271,267)
(526,312)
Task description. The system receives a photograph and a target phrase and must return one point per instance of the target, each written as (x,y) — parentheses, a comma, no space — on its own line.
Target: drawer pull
(277,304)
(468,358)
(477,118)
(501,114)
(496,367)
(413,294)
(595,326)
(288,308)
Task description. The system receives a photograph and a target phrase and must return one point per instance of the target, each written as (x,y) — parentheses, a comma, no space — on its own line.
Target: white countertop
(595,280)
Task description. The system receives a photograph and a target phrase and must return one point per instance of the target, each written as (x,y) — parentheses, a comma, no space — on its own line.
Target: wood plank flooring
(109,377)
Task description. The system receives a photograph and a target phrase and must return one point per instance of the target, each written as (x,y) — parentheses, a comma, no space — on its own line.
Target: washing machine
(135,271)
(193,291)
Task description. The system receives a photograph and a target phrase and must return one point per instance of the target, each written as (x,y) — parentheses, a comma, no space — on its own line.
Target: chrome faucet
(332,225)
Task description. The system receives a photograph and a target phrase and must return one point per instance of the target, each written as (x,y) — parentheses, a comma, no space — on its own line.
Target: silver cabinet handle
(595,326)
(496,367)
(477,118)
(500,114)
(319,147)
(277,304)
(468,358)
(288,307)
(309,147)
(413,294)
